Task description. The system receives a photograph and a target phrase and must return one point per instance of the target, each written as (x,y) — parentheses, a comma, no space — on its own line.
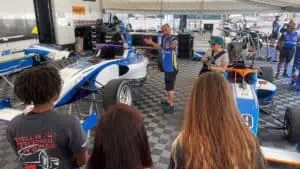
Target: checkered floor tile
(162,129)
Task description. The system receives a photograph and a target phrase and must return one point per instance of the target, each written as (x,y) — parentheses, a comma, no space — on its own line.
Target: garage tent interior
(203,6)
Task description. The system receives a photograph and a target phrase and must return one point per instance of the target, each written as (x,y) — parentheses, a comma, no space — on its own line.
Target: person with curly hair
(44,138)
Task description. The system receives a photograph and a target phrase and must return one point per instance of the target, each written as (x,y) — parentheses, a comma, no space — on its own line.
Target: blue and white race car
(250,88)
(109,77)
(35,54)
(50,51)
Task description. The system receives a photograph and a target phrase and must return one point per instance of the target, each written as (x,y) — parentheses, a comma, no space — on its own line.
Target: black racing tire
(292,124)
(267,73)
(113,91)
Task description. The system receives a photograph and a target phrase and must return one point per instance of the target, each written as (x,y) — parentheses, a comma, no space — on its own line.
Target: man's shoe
(164,103)
(293,82)
(285,75)
(169,109)
(292,85)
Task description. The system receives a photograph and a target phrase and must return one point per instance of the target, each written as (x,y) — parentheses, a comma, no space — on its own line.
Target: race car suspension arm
(276,128)
(281,127)
(7,81)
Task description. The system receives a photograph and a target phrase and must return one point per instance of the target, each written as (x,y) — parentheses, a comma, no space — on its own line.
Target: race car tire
(292,124)
(267,73)
(117,91)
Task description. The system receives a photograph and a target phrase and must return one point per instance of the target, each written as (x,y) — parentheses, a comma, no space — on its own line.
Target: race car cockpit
(239,73)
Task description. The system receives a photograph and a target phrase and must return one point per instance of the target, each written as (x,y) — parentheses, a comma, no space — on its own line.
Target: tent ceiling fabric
(281,3)
(196,6)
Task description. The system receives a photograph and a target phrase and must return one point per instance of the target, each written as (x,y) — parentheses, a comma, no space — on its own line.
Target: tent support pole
(161,11)
(101,9)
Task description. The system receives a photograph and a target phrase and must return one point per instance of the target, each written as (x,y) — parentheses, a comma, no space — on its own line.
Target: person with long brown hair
(214,135)
(121,140)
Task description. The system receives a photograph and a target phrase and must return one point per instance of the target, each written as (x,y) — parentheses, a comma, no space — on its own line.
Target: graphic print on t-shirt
(32,151)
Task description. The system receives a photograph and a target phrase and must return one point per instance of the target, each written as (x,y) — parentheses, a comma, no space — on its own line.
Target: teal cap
(217,40)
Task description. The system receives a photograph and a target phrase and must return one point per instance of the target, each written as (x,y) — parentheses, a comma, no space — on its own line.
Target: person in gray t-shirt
(43,138)
(217,59)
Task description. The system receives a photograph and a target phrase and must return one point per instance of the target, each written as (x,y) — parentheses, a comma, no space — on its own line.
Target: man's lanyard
(166,40)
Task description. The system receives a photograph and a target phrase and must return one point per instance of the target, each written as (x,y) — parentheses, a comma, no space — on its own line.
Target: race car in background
(35,54)
(50,51)
(251,88)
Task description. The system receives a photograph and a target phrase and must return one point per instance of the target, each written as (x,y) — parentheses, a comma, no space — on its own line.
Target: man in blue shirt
(169,62)
(296,66)
(287,45)
(276,28)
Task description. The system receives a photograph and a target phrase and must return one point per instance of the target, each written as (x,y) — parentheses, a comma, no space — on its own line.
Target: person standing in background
(287,45)
(169,61)
(216,59)
(101,30)
(276,28)
(119,28)
(296,66)
(275,35)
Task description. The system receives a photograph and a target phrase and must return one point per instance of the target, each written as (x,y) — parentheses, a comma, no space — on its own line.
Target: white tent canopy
(203,6)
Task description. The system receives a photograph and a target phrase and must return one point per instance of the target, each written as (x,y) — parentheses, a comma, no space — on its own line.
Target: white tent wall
(189,6)
(218,6)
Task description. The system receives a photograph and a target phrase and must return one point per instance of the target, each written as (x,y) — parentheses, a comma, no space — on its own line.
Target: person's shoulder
(64,118)
(17,120)
(225,54)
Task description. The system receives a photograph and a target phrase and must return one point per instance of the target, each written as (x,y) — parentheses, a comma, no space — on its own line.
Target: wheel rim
(286,125)
(125,96)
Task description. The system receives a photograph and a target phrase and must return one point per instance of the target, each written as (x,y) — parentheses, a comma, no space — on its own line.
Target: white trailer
(56,19)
